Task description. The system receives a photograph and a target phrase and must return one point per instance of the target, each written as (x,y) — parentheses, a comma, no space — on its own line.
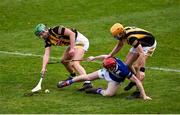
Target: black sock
(129,86)
(73,74)
(132,84)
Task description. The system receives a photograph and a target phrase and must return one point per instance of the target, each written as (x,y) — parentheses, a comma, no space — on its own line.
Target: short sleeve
(61,30)
(47,44)
(129,75)
(133,41)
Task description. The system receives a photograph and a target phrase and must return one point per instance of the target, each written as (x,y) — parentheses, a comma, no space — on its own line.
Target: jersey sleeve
(133,41)
(47,44)
(61,30)
(55,29)
(129,75)
(58,30)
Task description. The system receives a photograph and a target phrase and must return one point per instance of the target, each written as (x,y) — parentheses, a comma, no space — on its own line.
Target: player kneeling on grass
(114,72)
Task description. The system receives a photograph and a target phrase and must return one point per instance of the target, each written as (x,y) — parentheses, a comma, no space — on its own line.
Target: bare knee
(142,75)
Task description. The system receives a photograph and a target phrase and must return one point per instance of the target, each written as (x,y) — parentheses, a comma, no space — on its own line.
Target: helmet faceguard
(109,63)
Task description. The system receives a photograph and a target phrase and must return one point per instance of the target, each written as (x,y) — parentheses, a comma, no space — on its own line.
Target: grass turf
(93,18)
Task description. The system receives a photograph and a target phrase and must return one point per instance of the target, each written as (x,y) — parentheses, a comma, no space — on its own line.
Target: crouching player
(114,72)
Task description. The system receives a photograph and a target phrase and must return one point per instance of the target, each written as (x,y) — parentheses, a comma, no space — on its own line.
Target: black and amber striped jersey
(143,37)
(58,39)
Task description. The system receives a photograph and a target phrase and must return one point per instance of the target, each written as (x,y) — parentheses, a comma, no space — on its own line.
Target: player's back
(143,36)
(121,71)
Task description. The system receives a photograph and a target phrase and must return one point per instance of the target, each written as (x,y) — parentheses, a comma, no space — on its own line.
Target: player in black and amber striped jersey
(77,44)
(143,45)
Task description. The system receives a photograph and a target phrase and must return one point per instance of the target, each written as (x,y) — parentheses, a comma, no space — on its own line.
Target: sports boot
(85,86)
(92,90)
(62,84)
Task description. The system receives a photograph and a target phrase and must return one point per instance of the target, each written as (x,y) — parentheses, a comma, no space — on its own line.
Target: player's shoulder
(118,60)
(129,27)
(134,29)
(56,29)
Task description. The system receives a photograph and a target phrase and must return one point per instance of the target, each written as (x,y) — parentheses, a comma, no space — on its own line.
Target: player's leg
(68,65)
(110,91)
(112,85)
(90,77)
(82,45)
(148,51)
(130,59)
(141,69)
(79,54)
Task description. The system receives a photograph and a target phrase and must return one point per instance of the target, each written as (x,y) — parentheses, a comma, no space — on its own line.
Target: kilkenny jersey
(144,37)
(121,72)
(58,39)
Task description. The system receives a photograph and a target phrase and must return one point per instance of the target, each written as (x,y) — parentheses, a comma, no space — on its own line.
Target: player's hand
(147,98)
(90,58)
(43,71)
(71,52)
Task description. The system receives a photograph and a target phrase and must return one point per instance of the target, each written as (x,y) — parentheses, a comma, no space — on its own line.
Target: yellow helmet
(116,29)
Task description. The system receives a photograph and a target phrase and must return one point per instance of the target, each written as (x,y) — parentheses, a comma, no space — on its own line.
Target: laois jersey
(121,72)
(58,39)
(144,37)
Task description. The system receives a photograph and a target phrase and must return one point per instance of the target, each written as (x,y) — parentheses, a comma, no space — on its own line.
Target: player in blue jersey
(114,71)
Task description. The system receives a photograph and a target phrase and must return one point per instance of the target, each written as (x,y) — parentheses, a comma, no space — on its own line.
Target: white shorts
(82,41)
(147,50)
(104,74)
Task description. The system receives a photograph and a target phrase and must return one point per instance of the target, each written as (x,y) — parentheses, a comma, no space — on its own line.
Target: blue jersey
(121,72)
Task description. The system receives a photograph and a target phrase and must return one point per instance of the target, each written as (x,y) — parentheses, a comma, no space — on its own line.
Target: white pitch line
(164,69)
(25,54)
(35,55)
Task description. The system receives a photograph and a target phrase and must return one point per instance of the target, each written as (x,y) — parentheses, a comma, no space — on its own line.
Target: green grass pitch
(93,18)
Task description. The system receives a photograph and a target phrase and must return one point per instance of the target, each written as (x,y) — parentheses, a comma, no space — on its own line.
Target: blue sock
(69,81)
(99,90)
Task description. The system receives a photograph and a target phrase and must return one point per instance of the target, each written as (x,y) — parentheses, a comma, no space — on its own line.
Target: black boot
(62,84)
(85,86)
(134,95)
(92,90)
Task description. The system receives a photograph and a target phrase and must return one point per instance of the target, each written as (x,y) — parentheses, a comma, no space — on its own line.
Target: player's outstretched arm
(100,57)
(45,59)
(140,87)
